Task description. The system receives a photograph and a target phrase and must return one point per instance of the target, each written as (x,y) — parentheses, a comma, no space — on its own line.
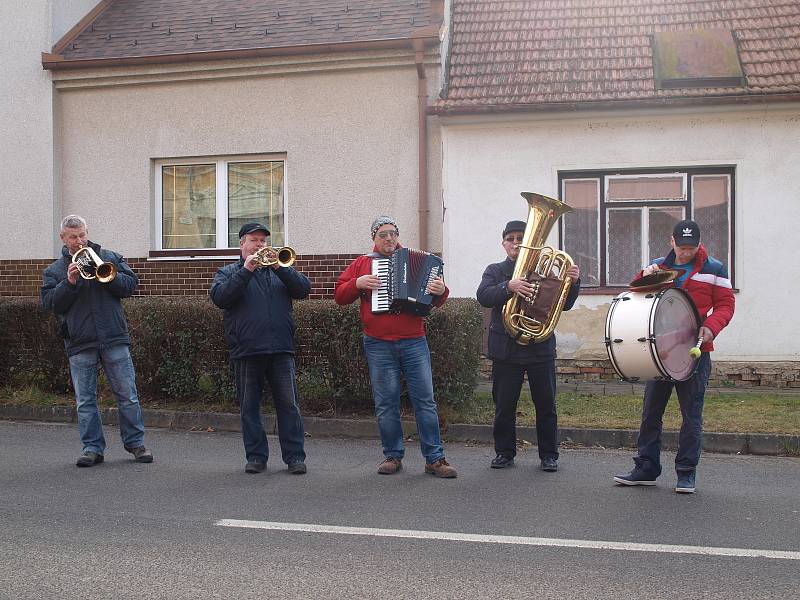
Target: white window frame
(683,177)
(644,223)
(221,179)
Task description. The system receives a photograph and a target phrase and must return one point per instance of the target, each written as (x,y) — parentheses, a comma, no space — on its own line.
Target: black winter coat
(90,313)
(258,307)
(493,293)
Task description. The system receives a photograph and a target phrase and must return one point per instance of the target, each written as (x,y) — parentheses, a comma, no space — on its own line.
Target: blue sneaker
(685,482)
(635,477)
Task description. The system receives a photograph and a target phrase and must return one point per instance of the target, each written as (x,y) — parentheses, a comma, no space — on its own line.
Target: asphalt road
(156,531)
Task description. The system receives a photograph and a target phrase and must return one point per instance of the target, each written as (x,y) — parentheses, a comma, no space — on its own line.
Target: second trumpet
(268,256)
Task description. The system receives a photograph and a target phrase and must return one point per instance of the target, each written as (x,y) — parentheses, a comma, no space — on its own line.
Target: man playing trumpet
(86,301)
(259,327)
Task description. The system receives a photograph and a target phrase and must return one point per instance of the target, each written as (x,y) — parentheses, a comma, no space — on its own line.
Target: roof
(138,31)
(534,54)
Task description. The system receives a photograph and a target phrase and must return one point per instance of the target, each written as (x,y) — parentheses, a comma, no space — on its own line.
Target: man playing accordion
(395,345)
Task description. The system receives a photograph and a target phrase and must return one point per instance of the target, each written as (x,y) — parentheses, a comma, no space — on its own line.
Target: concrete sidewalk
(731,443)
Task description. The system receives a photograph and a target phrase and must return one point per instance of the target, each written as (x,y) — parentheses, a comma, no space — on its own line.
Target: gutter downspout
(422,135)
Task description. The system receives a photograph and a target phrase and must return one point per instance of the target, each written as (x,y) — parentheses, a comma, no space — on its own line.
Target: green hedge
(181,356)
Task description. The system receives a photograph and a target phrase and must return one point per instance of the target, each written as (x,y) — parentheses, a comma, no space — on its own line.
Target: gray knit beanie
(380,222)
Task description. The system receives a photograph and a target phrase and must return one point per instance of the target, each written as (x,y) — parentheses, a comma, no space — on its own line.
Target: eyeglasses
(387,234)
(514,238)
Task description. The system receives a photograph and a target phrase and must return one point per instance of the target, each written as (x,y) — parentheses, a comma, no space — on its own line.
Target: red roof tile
(527,53)
(146,28)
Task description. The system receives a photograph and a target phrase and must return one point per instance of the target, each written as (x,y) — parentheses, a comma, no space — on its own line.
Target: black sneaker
(550,464)
(89,459)
(635,477)
(255,467)
(141,454)
(685,483)
(297,468)
(501,461)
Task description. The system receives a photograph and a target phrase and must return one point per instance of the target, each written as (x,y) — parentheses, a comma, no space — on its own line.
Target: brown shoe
(441,468)
(390,466)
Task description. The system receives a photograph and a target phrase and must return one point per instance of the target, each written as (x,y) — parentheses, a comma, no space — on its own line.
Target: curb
(725,443)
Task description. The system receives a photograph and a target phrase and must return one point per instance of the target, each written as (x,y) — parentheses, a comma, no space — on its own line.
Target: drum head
(674,325)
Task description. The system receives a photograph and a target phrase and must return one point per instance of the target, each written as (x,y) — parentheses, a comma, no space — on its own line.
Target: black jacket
(493,293)
(258,307)
(90,313)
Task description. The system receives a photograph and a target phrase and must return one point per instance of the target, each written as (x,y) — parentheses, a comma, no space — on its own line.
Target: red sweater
(384,326)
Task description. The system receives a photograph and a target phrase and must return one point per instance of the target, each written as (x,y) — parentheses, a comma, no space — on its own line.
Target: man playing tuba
(511,361)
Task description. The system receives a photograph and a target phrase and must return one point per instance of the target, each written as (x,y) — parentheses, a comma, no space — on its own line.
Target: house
(637,113)
(172,123)
(167,124)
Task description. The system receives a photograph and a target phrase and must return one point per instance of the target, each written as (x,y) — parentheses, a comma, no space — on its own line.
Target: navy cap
(252,228)
(686,233)
(513,226)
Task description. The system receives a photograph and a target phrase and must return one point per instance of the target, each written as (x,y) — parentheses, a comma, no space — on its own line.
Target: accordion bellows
(404,278)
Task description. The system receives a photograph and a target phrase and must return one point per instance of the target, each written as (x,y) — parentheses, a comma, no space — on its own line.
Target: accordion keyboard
(381,301)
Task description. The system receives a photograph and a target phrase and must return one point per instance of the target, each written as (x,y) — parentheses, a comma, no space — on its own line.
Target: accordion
(404,277)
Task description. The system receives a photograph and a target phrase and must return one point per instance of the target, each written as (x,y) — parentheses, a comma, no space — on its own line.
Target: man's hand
(251,263)
(72,274)
(706,334)
(436,287)
(368,282)
(574,272)
(649,270)
(521,286)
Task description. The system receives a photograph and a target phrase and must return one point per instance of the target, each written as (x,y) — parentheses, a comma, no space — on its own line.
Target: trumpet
(268,256)
(91,266)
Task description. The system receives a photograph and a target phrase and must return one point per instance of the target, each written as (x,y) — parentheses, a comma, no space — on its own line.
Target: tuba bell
(534,319)
(284,256)
(91,266)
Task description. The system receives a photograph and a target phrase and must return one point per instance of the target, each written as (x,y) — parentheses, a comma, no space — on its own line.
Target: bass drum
(649,335)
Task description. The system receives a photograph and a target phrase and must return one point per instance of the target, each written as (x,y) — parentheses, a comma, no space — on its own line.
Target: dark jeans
(507,381)
(690,397)
(249,375)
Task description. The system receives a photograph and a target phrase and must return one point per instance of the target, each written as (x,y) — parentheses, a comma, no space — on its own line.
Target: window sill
(613,291)
(194,254)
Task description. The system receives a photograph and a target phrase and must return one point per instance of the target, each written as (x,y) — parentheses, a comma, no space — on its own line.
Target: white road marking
(511,539)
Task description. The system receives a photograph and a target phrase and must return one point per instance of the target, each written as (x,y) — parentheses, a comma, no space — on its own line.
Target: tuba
(534,319)
(284,256)
(91,266)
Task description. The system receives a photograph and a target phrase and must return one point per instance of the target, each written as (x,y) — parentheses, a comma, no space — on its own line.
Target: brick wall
(175,277)
(783,375)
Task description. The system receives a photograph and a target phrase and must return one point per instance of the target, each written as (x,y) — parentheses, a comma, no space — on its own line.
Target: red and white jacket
(384,326)
(710,289)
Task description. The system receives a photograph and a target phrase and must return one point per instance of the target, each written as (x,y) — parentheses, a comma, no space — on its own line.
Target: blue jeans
(118,368)
(411,358)
(691,395)
(249,375)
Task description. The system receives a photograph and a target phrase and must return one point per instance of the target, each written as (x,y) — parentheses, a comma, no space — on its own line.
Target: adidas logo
(687,232)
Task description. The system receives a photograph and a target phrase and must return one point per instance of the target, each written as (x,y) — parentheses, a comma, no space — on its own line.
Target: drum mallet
(694,351)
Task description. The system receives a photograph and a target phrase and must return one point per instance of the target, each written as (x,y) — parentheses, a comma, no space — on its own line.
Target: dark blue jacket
(493,293)
(90,313)
(258,307)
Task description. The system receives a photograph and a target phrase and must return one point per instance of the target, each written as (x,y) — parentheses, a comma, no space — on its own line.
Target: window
(621,220)
(202,203)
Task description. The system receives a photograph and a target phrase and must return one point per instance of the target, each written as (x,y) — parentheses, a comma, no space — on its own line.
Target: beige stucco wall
(487,164)
(27,193)
(348,130)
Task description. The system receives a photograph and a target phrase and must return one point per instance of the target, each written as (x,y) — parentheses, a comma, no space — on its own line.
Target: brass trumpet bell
(91,266)
(268,256)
